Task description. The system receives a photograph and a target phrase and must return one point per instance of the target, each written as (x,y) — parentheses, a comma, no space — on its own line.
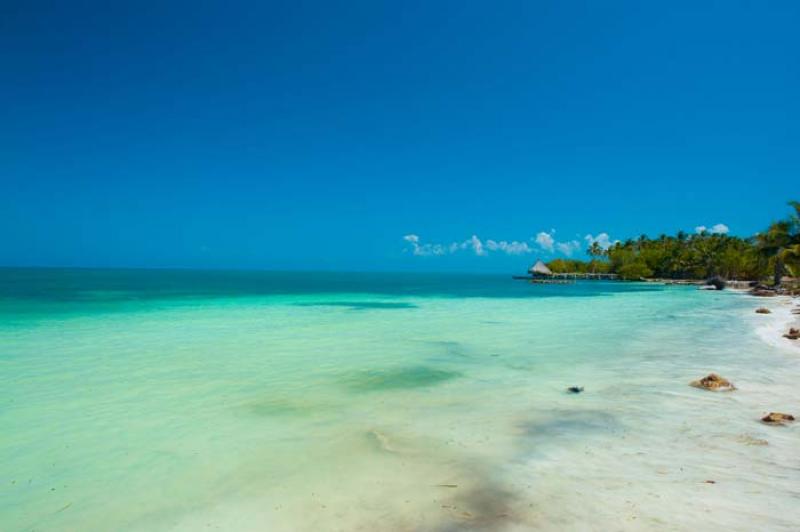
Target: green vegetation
(770,254)
(780,244)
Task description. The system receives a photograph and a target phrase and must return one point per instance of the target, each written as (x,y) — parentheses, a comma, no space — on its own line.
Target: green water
(182,400)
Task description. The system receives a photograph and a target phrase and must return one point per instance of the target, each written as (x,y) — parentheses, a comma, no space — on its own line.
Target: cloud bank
(568,248)
(602,239)
(718,229)
(544,242)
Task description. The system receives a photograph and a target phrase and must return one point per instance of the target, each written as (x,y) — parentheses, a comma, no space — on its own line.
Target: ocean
(150,400)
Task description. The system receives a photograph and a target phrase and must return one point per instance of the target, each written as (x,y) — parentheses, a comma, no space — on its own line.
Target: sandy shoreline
(779,321)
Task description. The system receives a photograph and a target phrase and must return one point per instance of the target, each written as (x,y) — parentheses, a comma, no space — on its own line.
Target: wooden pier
(586,276)
(540,273)
(557,278)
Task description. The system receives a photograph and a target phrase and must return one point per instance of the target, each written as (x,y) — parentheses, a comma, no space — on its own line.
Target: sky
(372,135)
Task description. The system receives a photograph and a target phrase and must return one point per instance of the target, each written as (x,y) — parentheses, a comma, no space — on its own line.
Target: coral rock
(713,382)
(763,310)
(760,292)
(777,418)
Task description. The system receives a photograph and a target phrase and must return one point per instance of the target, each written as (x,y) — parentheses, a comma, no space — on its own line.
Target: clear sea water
(186,400)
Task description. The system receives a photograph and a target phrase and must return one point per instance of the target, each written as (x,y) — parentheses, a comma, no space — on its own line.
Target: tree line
(770,254)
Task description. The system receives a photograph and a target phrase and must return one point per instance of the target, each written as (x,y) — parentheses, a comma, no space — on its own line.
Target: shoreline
(779,321)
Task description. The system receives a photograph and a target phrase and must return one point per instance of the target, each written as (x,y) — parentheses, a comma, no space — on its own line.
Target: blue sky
(320,134)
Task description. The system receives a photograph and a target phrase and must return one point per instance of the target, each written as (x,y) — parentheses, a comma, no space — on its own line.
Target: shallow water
(172,400)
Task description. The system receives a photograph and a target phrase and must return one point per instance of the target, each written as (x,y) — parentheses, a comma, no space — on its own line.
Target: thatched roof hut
(540,268)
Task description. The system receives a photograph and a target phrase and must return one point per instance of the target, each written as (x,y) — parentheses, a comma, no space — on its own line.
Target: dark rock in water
(793,334)
(713,382)
(717,282)
(762,292)
(763,310)
(575,389)
(777,418)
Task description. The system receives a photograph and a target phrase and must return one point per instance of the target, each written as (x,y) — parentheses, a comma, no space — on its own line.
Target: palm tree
(796,215)
(773,245)
(781,243)
(595,250)
(792,253)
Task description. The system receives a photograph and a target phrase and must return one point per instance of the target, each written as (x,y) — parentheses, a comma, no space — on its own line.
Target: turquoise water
(183,400)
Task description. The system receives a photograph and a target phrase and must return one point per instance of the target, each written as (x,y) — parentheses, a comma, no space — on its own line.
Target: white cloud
(423,249)
(545,241)
(512,248)
(602,239)
(474,243)
(718,229)
(568,248)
